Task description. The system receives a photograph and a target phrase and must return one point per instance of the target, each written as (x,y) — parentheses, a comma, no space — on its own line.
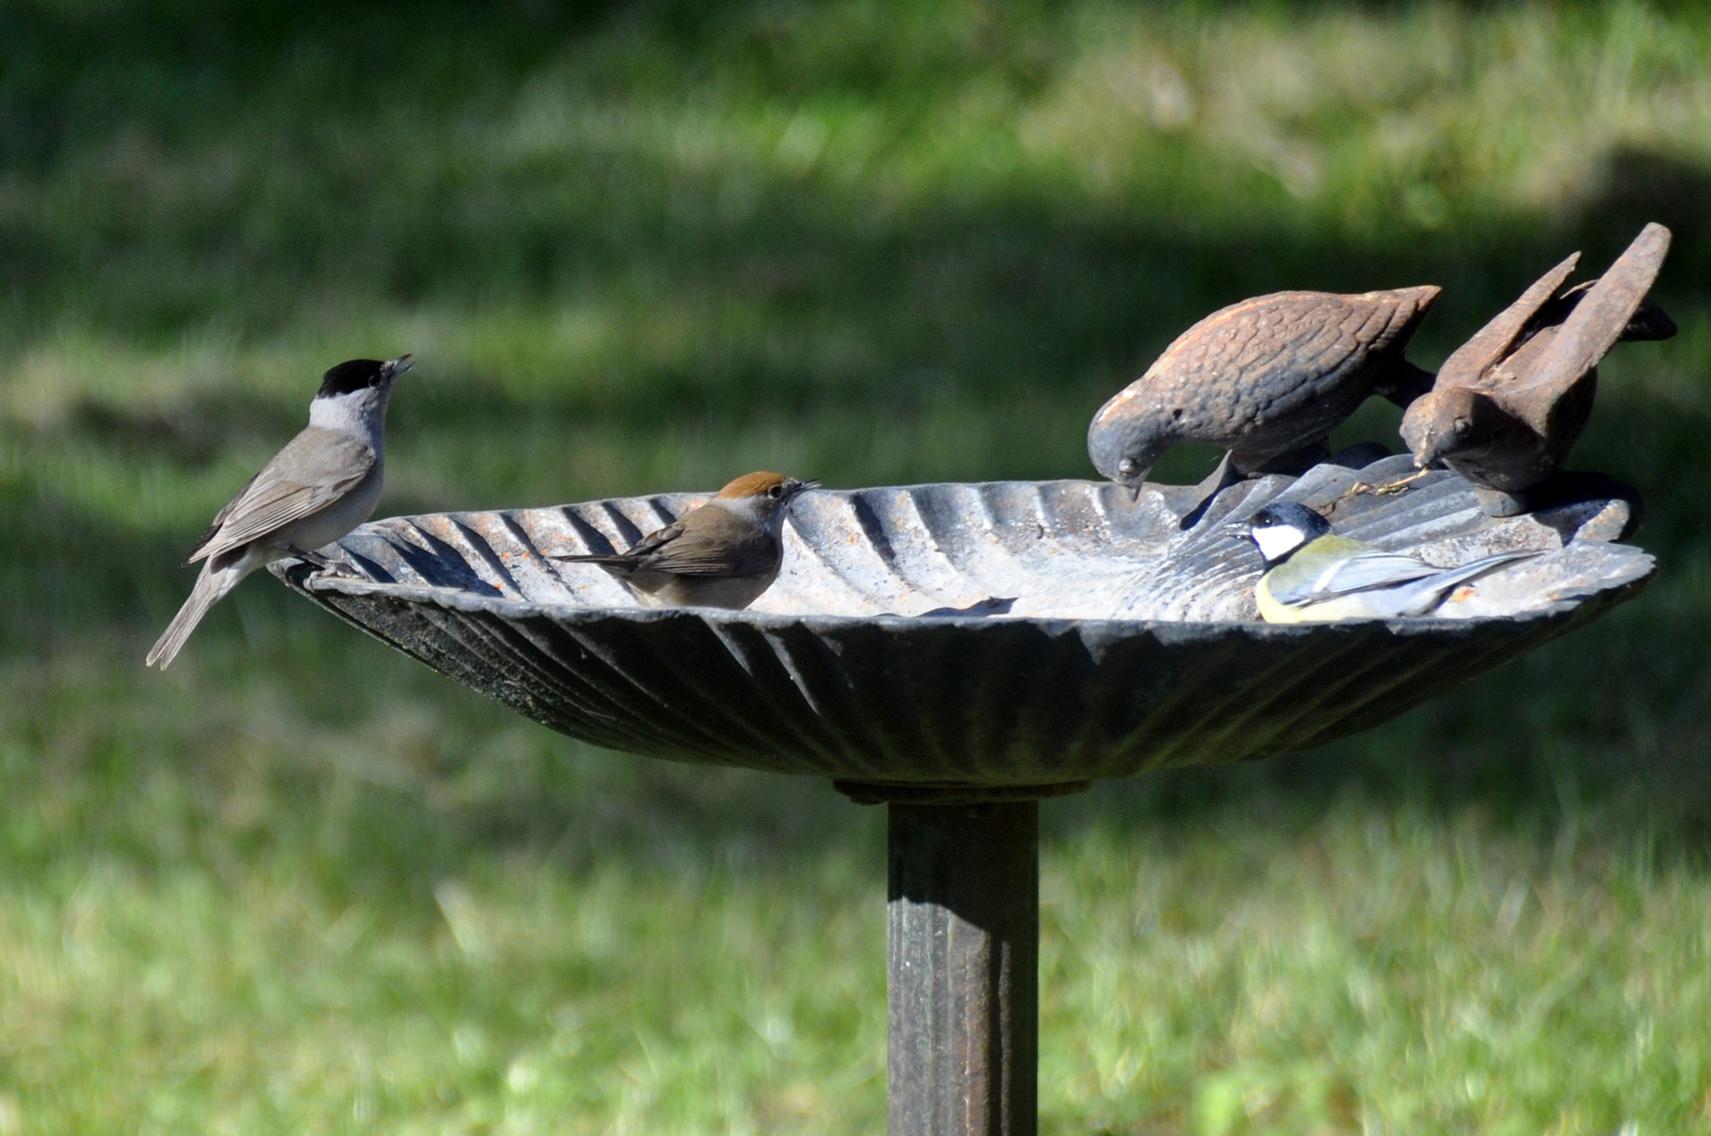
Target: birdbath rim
(302,577)
(1154,660)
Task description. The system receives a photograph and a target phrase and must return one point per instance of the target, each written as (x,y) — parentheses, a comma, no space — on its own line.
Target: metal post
(963,941)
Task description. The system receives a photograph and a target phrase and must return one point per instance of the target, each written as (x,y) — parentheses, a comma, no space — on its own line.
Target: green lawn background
(299,884)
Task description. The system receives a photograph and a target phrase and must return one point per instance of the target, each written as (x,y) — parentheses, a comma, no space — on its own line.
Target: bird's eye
(775,492)
(1128,467)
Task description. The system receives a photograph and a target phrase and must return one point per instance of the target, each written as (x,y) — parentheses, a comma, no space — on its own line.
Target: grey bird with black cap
(324,483)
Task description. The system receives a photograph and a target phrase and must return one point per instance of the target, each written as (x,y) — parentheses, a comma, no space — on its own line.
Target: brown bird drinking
(1265,379)
(1509,404)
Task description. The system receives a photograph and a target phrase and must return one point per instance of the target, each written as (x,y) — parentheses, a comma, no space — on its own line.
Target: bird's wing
(1493,341)
(690,553)
(314,470)
(1366,572)
(1313,340)
(1291,347)
(633,557)
(651,544)
(1598,320)
(191,557)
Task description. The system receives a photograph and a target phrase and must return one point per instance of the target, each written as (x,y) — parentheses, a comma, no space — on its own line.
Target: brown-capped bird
(1266,380)
(1508,404)
(722,554)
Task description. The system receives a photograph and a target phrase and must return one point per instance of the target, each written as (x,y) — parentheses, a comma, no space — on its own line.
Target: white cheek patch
(348,413)
(1278,541)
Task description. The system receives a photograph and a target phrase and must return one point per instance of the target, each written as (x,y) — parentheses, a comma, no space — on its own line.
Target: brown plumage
(1265,379)
(1509,404)
(722,554)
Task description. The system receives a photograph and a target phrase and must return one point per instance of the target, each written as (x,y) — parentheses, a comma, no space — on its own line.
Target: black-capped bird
(324,483)
(1314,575)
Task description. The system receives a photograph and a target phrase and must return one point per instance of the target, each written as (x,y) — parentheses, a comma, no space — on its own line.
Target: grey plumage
(318,487)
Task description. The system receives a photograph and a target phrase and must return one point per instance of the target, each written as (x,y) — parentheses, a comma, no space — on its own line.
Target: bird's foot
(324,566)
(1497,503)
(1297,461)
(1386,489)
(1226,475)
(314,559)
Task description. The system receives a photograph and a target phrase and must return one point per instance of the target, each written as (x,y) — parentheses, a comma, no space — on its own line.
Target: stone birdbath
(958,652)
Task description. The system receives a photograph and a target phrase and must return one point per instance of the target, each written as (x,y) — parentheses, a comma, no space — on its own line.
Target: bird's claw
(1387,489)
(325,567)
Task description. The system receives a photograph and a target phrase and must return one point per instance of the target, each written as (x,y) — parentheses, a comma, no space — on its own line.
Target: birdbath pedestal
(957,652)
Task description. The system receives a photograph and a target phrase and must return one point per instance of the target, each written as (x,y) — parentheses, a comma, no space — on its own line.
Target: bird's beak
(398,366)
(804,486)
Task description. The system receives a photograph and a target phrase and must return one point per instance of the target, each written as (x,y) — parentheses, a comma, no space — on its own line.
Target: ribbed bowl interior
(997,634)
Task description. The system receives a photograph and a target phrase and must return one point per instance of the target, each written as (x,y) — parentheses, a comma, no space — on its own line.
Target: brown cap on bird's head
(765,483)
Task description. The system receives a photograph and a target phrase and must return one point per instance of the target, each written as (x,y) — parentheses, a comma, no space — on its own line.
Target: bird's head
(762,496)
(1443,423)
(1126,438)
(1282,527)
(357,375)
(354,394)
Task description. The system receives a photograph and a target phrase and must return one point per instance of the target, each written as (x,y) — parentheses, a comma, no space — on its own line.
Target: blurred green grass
(299,884)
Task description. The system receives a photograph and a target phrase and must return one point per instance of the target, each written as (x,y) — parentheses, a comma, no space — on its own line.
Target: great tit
(1314,575)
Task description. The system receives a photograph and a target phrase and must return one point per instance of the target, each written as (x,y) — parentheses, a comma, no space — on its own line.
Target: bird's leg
(1403,383)
(1220,479)
(321,564)
(1497,503)
(1298,460)
(1389,488)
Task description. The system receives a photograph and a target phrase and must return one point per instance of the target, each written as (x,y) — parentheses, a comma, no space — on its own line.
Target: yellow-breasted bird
(1314,575)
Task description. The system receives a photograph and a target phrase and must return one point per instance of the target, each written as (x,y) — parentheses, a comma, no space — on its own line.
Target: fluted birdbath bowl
(959,652)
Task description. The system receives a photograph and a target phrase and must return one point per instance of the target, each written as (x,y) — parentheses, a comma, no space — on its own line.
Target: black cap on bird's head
(1284,526)
(361,374)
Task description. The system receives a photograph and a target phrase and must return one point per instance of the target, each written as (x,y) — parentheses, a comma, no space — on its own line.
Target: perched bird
(722,554)
(1266,379)
(324,483)
(1313,575)
(1507,405)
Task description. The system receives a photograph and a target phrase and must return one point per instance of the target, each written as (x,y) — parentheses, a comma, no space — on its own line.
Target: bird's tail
(604,559)
(211,584)
(1452,578)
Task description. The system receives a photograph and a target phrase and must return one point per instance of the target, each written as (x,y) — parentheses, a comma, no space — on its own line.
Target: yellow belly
(1330,611)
